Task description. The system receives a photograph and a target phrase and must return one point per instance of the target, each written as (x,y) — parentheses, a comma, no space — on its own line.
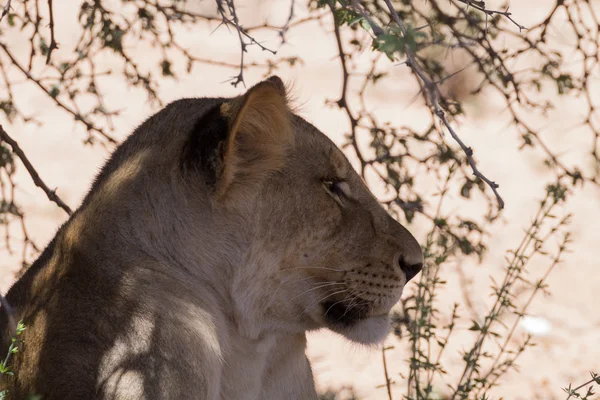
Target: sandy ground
(563,355)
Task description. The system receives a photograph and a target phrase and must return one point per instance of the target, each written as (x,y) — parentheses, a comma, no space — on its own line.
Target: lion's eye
(337,188)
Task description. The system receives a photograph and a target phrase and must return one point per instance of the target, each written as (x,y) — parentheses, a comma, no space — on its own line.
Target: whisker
(317,287)
(320,286)
(355,296)
(350,306)
(312,267)
(273,297)
(281,283)
(357,304)
(337,302)
(326,297)
(268,302)
(363,302)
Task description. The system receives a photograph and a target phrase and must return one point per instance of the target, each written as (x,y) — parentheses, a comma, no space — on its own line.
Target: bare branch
(53,44)
(480,5)
(474,3)
(388,381)
(343,100)
(469,153)
(431,90)
(52,196)
(573,392)
(5,10)
(286,26)
(240,77)
(234,21)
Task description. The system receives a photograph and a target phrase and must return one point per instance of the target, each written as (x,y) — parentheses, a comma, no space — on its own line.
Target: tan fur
(209,244)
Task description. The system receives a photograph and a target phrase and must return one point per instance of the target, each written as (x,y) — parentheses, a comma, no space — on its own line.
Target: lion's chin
(357,323)
(372,330)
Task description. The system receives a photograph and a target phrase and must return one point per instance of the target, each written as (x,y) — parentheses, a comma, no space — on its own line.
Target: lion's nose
(409,269)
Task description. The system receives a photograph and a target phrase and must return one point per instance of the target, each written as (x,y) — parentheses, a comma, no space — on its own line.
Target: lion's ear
(259,134)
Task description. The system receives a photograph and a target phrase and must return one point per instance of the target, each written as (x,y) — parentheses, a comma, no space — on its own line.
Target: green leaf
(465,190)
(564,83)
(165,66)
(43,47)
(389,44)
(346,16)
(54,92)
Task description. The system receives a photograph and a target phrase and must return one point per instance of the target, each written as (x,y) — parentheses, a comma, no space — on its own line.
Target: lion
(215,237)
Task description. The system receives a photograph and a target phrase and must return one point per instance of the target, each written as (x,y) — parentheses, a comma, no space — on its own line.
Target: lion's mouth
(345,313)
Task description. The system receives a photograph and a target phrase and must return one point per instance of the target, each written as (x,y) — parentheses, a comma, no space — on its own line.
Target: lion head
(319,250)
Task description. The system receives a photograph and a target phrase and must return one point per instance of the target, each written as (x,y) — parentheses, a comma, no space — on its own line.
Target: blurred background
(527,109)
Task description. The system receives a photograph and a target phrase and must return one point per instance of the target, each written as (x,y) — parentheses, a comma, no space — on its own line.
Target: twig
(574,391)
(466,293)
(5,10)
(53,44)
(469,153)
(285,27)
(474,3)
(240,77)
(241,32)
(480,5)
(385,372)
(343,100)
(241,29)
(52,196)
